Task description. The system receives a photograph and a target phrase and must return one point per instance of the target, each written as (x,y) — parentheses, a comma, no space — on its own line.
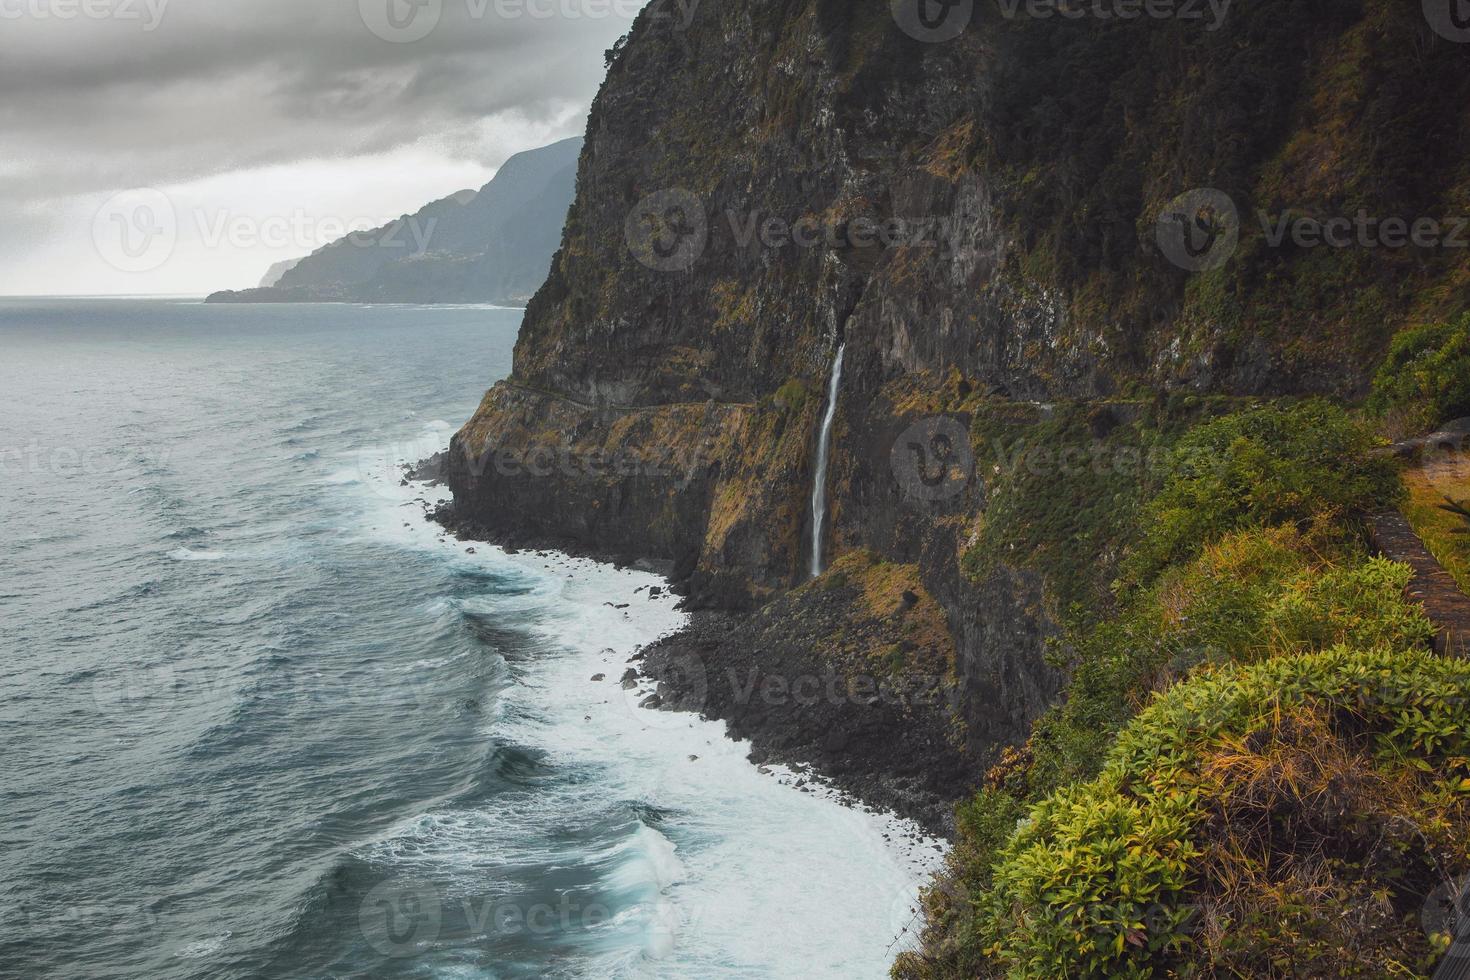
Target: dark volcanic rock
(842,675)
(670,375)
(431,471)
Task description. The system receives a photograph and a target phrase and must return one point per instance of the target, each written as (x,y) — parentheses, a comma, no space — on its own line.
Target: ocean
(259,718)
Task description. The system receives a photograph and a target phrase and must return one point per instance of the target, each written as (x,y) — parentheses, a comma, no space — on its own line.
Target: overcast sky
(265,127)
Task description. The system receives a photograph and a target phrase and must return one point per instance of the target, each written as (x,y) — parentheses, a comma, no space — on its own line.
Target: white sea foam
(745,873)
(189,554)
(204,947)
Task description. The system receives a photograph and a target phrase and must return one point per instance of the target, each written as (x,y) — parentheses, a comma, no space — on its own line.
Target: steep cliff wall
(977,219)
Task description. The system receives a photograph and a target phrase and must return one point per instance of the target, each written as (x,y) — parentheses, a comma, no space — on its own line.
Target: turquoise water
(257,719)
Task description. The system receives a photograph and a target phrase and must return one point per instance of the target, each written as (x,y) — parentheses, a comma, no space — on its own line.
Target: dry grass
(1317,861)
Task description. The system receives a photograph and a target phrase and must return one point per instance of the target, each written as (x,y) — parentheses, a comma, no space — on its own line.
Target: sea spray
(705,862)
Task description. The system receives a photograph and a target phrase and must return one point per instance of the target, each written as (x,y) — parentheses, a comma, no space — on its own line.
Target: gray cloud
(89,104)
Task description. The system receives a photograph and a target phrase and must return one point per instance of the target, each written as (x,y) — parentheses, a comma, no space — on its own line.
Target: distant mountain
(274,273)
(489,246)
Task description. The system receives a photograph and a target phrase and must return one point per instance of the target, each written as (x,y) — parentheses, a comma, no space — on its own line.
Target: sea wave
(716,866)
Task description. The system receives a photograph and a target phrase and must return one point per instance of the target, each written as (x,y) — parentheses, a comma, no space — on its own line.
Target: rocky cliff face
(976,217)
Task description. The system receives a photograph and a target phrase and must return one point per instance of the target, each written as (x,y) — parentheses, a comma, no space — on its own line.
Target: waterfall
(824,446)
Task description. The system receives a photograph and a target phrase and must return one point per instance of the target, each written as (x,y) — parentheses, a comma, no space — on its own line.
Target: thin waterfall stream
(824,447)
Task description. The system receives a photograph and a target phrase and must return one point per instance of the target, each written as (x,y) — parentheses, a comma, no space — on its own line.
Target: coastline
(880,749)
(617,676)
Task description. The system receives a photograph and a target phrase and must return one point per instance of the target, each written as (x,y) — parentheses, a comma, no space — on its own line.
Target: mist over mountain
(276,271)
(489,246)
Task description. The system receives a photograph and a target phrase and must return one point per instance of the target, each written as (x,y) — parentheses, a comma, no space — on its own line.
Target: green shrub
(1254,594)
(1242,561)
(1362,604)
(1267,465)
(1426,374)
(1094,882)
(792,396)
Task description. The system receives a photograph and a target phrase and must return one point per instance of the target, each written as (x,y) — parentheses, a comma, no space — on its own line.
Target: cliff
(671,369)
(1065,255)
(489,246)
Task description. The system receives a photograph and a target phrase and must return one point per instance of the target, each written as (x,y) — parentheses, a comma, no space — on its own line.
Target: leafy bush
(1095,882)
(1255,594)
(1426,374)
(1268,465)
(1241,566)
(1363,604)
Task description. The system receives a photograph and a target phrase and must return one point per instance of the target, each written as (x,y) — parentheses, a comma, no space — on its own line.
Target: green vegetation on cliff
(1253,739)
(1241,818)
(1425,379)
(1267,465)
(1155,507)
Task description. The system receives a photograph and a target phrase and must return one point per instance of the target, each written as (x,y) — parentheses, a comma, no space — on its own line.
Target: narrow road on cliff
(1447,607)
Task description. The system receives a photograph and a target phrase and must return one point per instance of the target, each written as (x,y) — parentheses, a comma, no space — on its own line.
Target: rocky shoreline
(433,472)
(880,733)
(879,739)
